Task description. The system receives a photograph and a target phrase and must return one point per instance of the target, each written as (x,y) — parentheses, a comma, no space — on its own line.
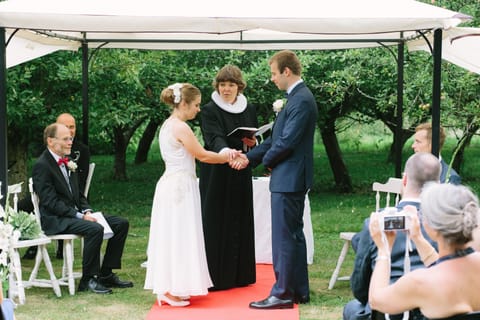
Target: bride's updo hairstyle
(451,210)
(175,93)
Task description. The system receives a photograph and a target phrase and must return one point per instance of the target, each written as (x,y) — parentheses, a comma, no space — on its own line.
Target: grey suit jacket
(288,152)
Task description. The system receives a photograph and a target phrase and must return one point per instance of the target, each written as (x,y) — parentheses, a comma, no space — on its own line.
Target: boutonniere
(72,166)
(278,105)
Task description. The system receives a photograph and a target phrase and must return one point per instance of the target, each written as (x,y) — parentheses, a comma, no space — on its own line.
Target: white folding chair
(393,187)
(16,284)
(68,276)
(14,190)
(91,169)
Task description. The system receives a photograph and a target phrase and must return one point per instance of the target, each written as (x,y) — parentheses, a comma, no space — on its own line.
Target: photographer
(420,168)
(450,286)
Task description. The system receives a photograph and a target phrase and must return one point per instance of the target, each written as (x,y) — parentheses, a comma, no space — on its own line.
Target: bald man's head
(69,121)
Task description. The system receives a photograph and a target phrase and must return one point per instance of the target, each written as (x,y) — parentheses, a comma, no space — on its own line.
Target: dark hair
(230,73)
(188,93)
(287,59)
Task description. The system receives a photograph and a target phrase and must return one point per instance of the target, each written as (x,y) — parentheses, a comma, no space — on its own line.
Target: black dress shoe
(272,302)
(112,281)
(301,299)
(94,286)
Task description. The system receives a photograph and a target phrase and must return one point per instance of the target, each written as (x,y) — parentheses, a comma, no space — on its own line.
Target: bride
(177,266)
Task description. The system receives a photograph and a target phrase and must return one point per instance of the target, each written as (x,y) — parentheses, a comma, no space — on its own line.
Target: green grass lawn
(331,213)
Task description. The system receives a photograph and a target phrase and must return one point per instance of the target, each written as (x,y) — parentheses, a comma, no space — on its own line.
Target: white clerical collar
(237,107)
(293,86)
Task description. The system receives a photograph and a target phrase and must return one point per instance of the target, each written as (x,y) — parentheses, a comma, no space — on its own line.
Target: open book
(107,231)
(249,132)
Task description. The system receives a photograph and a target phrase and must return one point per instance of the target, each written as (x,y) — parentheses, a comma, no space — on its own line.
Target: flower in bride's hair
(278,105)
(177,94)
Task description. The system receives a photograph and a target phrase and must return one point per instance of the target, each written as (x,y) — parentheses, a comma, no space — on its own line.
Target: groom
(288,154)
(64,209)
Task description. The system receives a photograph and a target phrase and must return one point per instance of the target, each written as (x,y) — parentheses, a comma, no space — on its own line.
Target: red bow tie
(62,160)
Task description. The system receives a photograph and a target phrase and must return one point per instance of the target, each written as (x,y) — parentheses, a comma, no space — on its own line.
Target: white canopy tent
(211,24)
(460,46)
(338,25)
(25,46)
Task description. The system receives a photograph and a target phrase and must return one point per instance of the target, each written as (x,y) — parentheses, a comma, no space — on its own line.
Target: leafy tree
(36,93)
(117,98)
(198,67)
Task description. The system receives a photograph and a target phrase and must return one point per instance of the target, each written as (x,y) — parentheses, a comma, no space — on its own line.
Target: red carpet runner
(228,304)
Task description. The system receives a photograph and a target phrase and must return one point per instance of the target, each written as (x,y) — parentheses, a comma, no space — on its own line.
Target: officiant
(226,194)
(65,210)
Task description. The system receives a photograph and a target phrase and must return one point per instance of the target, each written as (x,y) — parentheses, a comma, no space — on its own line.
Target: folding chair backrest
(392,187)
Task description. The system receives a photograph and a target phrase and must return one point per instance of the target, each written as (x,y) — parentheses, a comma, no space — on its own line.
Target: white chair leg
(15,280)
(38,260)
(48,265)
(343,254)
(68,264)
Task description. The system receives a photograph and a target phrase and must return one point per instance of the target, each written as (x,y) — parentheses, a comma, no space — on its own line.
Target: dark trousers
(289,250)
(92,233)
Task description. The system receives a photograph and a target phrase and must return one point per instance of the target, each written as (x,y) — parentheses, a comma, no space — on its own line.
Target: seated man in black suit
(420,169)
(80,154)
(64,209)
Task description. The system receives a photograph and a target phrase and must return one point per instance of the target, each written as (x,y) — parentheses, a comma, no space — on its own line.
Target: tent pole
(437,78)
(85,92)
(399,118)
(3,119)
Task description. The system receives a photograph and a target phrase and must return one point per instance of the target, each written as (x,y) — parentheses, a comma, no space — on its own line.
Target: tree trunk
(146,141)
(120,163)
(406,134)
(121,137)
(459,154)
(17,161)
(343,182)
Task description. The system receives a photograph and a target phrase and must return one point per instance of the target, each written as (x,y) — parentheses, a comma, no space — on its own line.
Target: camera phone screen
(394,223)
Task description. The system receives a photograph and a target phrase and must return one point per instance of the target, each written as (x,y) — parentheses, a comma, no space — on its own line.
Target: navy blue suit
(288,152)
(365,254)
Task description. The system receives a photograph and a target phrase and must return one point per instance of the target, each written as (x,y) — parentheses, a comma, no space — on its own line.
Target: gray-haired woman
(450,285)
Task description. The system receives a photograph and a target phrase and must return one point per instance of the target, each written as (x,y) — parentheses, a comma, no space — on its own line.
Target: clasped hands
(237,160)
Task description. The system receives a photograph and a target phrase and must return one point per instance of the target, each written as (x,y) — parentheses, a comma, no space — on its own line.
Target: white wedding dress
(176,251)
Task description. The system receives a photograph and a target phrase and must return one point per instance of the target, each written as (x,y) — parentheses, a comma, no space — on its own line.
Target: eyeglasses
(65,139)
